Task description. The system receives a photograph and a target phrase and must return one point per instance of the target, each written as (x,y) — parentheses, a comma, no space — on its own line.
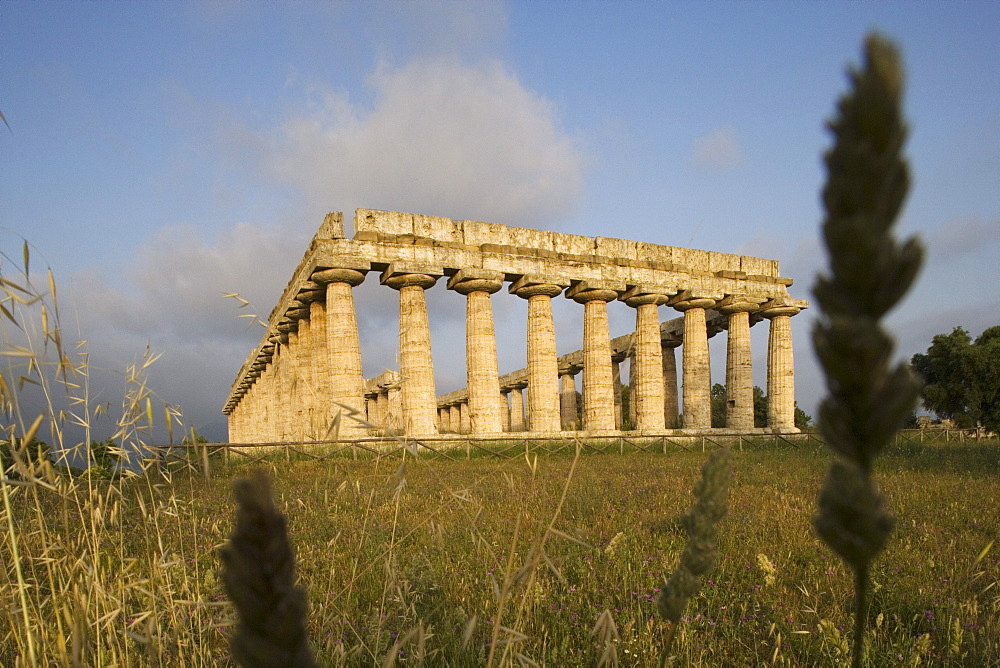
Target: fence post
(204,462)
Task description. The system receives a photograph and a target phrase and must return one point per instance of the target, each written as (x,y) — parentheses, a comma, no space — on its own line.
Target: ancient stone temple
(307,368)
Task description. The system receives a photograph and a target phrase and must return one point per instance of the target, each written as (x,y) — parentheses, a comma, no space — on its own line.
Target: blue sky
(162,154)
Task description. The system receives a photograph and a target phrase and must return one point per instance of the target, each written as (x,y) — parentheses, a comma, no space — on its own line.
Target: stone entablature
(309,358)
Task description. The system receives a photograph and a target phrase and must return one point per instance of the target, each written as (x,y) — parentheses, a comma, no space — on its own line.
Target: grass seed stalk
(869,273)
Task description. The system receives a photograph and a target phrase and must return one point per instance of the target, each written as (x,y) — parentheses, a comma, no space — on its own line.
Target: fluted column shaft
(320,376)
(567,401)
(598,375)
(381,408)
(739,363)
(516,410)
(697,381)
(394,416)
(293,383)
(345,384)
(670,406)
(303,369)
(616,388)
(543,363)
(505,410)
(647,397)
(739,373)
(416,363)
(780,369)
(465,416)
(482,376)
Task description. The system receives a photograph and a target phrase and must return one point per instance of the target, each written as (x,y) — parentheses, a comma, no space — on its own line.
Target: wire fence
(511,445)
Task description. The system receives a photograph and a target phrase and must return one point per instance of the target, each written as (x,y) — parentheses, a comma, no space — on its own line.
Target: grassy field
(439,561)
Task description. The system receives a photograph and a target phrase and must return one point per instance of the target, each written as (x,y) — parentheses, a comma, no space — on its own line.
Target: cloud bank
(439,137)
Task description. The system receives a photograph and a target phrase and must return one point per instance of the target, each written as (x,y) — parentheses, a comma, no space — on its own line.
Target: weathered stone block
(723,262)
(572,243)
(332,227)
(614,247)
(529,238)
(387,222)
(435,227)
(652,252)
(476,233)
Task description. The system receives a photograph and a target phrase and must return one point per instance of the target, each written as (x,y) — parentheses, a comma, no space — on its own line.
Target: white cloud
(440,138)
(719,150)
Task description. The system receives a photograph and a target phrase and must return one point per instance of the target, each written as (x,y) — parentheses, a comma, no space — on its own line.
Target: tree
(962,377)
(718,405)
(802,419)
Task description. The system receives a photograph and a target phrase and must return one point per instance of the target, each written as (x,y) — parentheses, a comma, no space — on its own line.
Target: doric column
(455,418)
(319,376)
(670,407)
(517,408)
(505,408)
(290,385)
(543,364)
(739,362)
(616,388)
(465,418)
(632,379)
(303,371)
(381,408)
(394,418)
(483,383)
(416,363)
(780,363)
(647,397)
(299,343)
(344,383)
(567,398)
(697,380)
(598,378)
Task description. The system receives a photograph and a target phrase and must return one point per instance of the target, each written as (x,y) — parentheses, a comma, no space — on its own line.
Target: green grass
(420,549)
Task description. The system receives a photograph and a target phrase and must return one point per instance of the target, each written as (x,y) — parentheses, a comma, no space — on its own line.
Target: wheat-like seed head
(700,522)
(259,576)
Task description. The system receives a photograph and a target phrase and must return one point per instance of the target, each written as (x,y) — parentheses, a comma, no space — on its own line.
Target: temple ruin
(307,368)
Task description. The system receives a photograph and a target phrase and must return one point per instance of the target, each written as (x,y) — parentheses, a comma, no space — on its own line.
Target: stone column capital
(688,299)
(466,281)
(782,306)
(586,291)
(531,285)
(398,276)
(350,275)
(670,339)
(570,369)
(738,304)
(310,292)
(638,295)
